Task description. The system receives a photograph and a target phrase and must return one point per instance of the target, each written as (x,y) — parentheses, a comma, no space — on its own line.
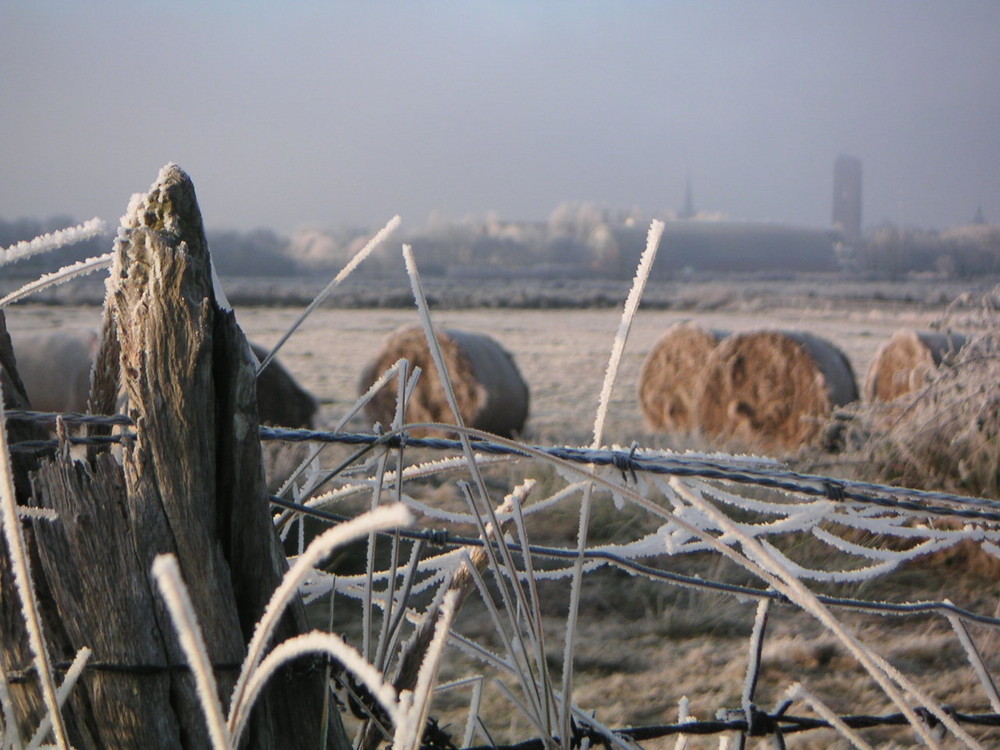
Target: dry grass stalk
(945,436)
(21,568)
(414,651)
(906,361)
(610,374)
(379,237)
(491,393)
(670,375)
(773,390)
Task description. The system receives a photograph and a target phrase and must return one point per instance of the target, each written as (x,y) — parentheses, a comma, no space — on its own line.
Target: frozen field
(562,353)
(643,646)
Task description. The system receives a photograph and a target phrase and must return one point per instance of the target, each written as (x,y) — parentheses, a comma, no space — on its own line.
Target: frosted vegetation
(806,542)
(579,240)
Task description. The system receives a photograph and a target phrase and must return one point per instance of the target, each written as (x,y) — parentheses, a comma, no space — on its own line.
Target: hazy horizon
(333,114)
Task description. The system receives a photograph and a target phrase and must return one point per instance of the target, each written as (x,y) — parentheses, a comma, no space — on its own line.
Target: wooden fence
(190,483)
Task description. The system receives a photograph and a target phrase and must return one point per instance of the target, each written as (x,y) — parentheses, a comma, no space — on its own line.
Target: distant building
(688,211)
(847,198)
(743,247)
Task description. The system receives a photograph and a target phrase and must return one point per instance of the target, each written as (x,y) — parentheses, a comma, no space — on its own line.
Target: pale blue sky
(330,113)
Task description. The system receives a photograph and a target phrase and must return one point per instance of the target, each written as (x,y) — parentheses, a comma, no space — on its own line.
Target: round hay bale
(902,363)
(490,391)
(773,389)
(670,378)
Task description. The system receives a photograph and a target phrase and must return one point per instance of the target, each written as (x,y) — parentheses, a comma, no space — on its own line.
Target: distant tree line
(960,252)
(21,230)
(579,240)
(259,252)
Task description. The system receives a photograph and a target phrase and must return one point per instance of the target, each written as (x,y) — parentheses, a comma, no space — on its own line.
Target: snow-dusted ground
(561,353)
(644,646)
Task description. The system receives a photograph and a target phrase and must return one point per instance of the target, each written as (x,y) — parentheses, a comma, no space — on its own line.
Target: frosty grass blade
(346,271)
(52,241)
(25,587)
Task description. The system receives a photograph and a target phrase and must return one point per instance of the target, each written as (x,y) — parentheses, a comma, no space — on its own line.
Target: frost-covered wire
(759,560)
(748,470)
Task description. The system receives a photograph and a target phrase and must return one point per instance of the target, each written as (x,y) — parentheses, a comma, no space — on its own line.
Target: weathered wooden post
(190,483)
(15,654)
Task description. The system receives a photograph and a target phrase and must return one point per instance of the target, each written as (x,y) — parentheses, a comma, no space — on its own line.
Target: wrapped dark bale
(281,401)
(488,386)
(773,390)
(670,378)
(904,362)
(55,365)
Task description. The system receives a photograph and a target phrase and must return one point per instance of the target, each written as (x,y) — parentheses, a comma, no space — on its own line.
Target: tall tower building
(847,197)
(688,212)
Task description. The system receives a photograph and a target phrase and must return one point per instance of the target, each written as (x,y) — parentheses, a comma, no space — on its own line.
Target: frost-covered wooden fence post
(190,483)
(16,658)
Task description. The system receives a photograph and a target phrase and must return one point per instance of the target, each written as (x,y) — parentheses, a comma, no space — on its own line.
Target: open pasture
(643,646)
(562,354)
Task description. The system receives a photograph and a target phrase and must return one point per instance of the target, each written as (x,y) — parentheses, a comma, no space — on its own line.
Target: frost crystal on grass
(20,563)
(52,241)
(628,314)
(167,573)
(64,274)
(347,270)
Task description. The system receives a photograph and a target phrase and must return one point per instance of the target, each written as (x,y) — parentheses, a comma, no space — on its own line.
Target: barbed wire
(626,461)
(629,462)
(444,538)
(747,722)
(758,724)
(752,723)
(71,417)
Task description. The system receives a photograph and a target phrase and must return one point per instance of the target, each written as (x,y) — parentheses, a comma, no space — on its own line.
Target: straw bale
(773,390)
(488,386)
(670,378)
(903,363)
